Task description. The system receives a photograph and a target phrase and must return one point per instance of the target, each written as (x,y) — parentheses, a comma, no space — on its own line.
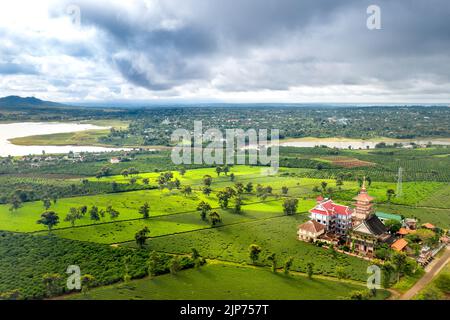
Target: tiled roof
(399,245)
(329,208)
(428,225)
(363,197)
(375,225)
(312,226)
(372,226)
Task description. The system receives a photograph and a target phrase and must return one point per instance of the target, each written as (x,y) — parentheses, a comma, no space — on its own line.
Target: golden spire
(364,184)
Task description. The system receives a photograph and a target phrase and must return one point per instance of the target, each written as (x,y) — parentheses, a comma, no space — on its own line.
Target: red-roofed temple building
(335,217)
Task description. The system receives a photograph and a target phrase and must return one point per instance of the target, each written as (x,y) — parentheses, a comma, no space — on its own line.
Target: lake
(24,129)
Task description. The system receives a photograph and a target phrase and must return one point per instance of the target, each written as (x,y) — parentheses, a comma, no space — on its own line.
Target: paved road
(434,269)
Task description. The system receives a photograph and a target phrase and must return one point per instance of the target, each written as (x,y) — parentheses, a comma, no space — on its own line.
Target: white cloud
(272,51)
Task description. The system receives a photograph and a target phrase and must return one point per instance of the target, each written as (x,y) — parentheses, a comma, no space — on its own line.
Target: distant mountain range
(28,102)
(15,102)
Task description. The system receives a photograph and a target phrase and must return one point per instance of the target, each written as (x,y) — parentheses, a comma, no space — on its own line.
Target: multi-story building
(335,217)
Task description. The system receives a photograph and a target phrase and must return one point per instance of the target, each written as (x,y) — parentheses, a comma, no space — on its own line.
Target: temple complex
(360,227)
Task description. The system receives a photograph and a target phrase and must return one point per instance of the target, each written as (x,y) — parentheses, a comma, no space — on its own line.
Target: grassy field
(161,203)
(438,217)
(175,225)
(173,202)
(167,224)
(413,192)
(81,138)
(439,199)
(127,203)
(225,281)
(277,235)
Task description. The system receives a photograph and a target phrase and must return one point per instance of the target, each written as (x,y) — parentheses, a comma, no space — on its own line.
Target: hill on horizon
(27,102)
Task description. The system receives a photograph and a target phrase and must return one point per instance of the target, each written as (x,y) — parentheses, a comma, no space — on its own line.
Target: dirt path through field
(431,271)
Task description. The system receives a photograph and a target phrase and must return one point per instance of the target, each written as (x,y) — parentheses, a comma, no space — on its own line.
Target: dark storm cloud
(136,76)
(273,44)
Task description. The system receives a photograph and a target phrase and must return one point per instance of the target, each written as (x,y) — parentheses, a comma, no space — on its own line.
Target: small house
(114,160)
(410,223)
(399,245)
(310,231)
(428,226)
(404,232)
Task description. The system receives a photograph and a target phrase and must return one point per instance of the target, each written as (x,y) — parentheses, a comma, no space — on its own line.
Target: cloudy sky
(225,50)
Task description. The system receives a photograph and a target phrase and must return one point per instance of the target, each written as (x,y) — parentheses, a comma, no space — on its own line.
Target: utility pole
(399,192)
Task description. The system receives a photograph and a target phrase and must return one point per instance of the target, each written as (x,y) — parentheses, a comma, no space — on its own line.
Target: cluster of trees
(159,263)
(207,181)
(165,180)
(141,236)
(263,192)
(206,214)
(423,236)
(19,196)
(103,172)
(393,226)
(224,196)
(50,218)
(222,169)
(324,190)
(129,172)
(362,294)
(395,265)
(144,210)
(76,214)
(389,194)
(49,191)
(52,283)
(99,264)
(290,206)
(254,252)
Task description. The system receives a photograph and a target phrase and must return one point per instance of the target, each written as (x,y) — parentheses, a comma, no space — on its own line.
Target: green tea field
(227,281)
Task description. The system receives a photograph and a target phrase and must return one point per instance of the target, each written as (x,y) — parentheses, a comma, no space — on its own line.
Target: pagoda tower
(363,205)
